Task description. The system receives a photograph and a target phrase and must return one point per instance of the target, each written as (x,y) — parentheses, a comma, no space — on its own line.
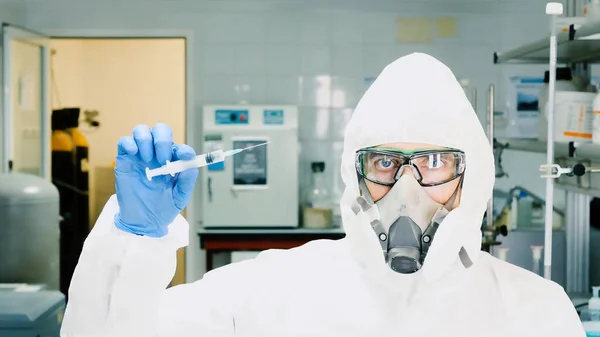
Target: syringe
(201,160)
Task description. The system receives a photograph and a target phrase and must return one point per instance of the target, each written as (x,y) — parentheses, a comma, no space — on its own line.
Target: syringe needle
(236,151)
(253,146)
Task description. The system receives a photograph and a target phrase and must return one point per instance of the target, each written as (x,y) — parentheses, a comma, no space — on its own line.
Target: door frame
(38,39)
(193,255)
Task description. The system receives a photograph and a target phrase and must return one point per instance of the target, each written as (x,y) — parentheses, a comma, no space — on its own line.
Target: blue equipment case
(31,314)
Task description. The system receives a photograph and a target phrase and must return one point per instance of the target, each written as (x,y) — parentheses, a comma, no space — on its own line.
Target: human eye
(434,161)
(384,163)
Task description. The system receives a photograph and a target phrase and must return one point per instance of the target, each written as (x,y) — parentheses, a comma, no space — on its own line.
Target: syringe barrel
(213,157)
(180,166)
(201,160)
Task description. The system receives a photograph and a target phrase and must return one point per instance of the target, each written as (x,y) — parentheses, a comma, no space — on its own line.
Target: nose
(409,169)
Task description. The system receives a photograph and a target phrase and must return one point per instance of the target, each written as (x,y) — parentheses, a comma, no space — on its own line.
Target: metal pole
(552,9)
(577,7)
(490,131)
(7,121)
(45,115)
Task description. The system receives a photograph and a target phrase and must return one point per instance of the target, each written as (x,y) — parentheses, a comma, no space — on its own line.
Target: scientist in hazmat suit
(418,170)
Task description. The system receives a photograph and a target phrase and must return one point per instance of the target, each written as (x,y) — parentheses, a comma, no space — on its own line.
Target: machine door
(26,128)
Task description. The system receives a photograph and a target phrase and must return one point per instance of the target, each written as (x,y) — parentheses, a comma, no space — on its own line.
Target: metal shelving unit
(580,45)
(575,47)
(532,145)
(583,151)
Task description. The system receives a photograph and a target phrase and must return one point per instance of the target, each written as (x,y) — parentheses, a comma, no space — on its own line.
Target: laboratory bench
(218,240)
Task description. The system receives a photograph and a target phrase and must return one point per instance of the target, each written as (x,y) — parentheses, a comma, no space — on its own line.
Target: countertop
(271,231)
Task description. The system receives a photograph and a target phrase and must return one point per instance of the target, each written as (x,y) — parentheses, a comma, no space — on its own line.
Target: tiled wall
(316,54)
(313,54)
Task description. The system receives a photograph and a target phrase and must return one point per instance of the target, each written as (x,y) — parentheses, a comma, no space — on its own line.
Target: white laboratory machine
(257,188)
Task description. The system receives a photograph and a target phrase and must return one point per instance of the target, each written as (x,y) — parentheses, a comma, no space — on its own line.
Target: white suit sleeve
(557,316)
(118,288)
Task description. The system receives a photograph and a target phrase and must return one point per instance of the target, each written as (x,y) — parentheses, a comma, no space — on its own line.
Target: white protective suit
(334,288)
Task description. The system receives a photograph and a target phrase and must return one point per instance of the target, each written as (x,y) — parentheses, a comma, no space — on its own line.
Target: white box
(573,117)
(242,255)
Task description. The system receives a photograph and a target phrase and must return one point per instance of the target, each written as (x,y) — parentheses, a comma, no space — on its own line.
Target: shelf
(574,46)
(587,153)
(583,151)
(531,145)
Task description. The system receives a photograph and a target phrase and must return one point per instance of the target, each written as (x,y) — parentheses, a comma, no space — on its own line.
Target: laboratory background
(78,75)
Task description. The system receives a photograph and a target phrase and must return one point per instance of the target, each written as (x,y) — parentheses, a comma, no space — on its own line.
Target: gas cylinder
(71,178)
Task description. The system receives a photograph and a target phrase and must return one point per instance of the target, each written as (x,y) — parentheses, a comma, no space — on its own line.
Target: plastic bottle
(583,84)
(590,317)
(537,257)
(502,253)
(596,121)
(592,11)
(318,212)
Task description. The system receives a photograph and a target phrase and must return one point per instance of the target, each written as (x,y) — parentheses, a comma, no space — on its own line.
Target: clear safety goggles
(430,167)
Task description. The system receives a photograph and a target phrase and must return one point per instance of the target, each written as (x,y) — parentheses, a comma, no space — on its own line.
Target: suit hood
(417,99)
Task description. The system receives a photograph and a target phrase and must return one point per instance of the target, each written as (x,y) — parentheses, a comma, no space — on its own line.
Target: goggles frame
(408,157)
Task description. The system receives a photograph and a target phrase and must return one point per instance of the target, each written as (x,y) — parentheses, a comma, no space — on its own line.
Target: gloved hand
(148,207)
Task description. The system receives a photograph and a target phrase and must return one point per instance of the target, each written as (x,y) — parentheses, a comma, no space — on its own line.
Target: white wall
(67,65)
(130,82)
(296,52)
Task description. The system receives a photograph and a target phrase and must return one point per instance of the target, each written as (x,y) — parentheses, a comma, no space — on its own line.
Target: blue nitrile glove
(148,207)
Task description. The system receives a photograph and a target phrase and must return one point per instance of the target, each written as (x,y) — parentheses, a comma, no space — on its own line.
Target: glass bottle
(590,316)
(317,210)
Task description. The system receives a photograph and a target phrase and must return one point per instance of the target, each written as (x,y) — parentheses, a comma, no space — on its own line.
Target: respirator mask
(406,218)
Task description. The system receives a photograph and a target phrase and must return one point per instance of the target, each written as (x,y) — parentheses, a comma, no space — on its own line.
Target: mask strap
(365,203)
(429,233)
(438,217)
(464,258)
(462,254)
(365,190)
